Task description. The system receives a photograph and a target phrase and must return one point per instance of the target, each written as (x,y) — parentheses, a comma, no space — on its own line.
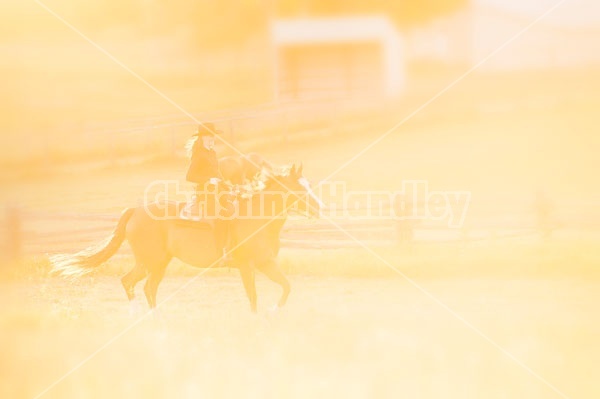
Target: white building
(567,36)
(336,58)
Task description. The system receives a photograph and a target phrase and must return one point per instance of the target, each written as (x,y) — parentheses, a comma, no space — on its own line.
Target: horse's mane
(261,181)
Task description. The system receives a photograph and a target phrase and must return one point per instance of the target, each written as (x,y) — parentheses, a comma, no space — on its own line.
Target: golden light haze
(493,98)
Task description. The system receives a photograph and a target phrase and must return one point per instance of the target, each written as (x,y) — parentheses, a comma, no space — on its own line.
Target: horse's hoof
(134,309)
(273,311)
(156,314)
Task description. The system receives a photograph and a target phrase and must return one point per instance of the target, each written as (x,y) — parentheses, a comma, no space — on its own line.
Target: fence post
(464,236)
(173,142)
(231,130)
(543,215)
(112,150)
(47,156)
(286,125)
(14,243)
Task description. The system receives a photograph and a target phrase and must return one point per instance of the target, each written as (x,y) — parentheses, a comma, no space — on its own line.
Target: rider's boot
(226,257)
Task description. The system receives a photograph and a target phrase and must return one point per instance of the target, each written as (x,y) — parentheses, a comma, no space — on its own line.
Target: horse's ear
(293,171)
(299,171)
(264,174)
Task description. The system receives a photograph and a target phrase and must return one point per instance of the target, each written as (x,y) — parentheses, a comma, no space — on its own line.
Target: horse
(156,234)
(241,168)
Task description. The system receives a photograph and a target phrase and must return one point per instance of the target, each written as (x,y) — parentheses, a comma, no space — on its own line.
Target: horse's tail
(84,261)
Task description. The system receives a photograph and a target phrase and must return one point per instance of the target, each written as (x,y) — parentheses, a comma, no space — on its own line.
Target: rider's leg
(192,208)
(222,238)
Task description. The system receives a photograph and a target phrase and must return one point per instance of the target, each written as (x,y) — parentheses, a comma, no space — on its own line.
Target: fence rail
(30,233)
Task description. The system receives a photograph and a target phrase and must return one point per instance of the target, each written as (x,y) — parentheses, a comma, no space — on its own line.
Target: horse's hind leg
(271,269)
(130,279)
(247,274)
(155,276)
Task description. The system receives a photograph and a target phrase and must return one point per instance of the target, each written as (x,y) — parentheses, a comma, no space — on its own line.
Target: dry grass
(346,336)
(352,328)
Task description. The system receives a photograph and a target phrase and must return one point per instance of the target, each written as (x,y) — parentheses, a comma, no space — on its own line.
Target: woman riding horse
(156,235)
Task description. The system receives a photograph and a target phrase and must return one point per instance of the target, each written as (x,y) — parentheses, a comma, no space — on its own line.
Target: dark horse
(156,234)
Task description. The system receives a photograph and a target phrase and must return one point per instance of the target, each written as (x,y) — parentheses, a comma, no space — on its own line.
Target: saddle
(190,215)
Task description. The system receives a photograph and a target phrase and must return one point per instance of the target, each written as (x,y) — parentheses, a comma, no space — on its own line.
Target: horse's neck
(270,207)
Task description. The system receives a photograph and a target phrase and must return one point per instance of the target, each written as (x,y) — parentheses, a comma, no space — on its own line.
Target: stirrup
(186,213)
(226,259)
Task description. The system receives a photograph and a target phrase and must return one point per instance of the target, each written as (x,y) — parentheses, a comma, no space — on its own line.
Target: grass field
(338,336)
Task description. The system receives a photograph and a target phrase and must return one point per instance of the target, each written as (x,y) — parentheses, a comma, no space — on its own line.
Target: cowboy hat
(207,129)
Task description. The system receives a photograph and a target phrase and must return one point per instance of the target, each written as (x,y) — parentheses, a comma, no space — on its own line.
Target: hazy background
(317,82)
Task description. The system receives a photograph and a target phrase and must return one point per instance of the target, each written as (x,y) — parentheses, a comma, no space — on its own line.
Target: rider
(204,172)
(204,166)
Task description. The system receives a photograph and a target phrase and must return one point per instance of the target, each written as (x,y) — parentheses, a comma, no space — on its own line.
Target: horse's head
(297,191)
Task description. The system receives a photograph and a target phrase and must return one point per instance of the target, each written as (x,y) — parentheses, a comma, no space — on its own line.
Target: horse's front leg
(271,269)
(247,273)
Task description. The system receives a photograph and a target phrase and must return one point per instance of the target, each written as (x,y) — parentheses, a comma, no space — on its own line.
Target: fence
(31,233)
(165,135)
(250,128)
